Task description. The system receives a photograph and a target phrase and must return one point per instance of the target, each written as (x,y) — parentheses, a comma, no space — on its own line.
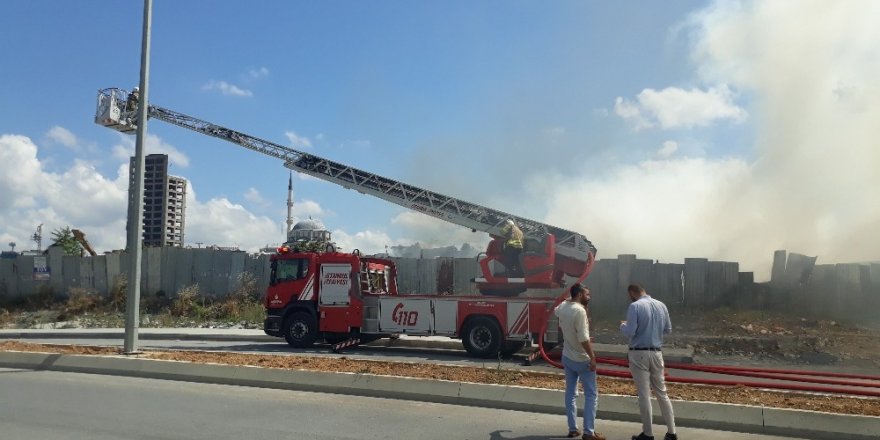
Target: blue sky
(669,130)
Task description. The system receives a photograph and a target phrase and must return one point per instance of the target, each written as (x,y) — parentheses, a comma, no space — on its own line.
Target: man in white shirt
(579,361)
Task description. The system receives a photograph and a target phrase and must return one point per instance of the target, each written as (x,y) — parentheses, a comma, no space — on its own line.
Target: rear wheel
(481,337)
(300,329)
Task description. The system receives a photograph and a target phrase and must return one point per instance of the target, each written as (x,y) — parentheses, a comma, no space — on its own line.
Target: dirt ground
(607,385)
(762,336)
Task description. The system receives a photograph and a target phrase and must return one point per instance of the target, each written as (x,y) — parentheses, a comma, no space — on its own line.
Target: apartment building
(164,203)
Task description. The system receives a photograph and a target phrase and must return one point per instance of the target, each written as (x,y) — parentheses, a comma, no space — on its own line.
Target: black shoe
(670,436)
(642,436)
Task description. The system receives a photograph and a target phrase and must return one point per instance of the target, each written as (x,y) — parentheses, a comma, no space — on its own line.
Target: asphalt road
(51,405)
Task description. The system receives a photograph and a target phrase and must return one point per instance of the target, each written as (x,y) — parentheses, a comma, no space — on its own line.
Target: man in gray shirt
(647,320)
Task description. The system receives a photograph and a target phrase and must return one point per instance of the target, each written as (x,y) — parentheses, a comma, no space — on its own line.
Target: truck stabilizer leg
(531,358)
(338,347)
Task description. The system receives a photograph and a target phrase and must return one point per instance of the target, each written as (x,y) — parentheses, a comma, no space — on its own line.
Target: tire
(481,337)
(300,329)
(510,348)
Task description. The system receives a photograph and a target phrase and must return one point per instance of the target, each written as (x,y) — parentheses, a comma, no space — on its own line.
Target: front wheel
(301,329)
(481,337)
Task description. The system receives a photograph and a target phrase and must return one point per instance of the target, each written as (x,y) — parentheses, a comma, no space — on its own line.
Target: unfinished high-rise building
(164,202)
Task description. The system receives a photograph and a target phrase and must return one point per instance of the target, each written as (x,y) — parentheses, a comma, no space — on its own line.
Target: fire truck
(350,298)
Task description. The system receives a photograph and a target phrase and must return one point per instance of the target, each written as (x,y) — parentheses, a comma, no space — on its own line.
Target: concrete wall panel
(777,273)
(407,275)
(465,269)
(848,289)
(696,272)
(70,269)
(202,264)
(602,282)
(797,270)
(55,260)
(25,277)
(185,271)
(427,269)
(85,273)
(99,275)
(667,286)
(170,256)
(236,268)
(8,279)
(114,272)
(152,256)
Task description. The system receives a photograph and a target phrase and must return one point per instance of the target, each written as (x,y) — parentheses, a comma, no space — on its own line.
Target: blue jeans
(573,372)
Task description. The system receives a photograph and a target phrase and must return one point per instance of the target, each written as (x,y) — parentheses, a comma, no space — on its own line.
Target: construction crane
(549,253)
(80,236)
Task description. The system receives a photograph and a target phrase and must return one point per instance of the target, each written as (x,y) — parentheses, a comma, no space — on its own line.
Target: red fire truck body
(340,296)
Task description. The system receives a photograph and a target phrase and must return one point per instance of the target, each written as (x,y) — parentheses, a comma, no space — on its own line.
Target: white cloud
(298,141)
(368,242)
(669,148)
(226,88)
(62,136)
(81,197)
(257,73)
(673,107)
(154,145)
(305,208)
(221,222)
(253,195)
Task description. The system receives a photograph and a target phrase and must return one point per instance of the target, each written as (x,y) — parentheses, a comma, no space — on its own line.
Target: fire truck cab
(336,297)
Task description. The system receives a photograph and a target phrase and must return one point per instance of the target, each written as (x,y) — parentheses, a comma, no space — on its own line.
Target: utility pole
(136,204)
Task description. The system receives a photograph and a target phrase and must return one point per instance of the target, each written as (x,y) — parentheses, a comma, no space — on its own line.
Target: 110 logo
(402,317)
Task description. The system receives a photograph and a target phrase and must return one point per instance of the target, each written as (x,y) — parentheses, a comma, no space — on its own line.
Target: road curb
(602,350)
(750,419)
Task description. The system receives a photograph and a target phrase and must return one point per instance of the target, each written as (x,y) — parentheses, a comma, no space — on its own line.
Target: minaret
(289,205)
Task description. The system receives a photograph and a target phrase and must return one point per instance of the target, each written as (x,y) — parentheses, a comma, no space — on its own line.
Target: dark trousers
(511,260)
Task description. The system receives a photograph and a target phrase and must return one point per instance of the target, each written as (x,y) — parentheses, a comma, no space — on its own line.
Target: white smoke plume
(811,184)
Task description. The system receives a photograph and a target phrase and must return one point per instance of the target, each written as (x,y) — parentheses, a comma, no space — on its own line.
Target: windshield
(289,270)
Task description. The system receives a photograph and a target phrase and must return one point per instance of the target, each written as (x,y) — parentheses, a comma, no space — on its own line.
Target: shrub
(81,300)
(43,299)
(119,292)
(186,303)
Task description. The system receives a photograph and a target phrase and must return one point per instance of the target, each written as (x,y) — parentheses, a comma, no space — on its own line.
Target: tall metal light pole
(136,204)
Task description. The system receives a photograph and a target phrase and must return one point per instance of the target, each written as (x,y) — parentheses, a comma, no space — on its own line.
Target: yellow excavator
(80,236)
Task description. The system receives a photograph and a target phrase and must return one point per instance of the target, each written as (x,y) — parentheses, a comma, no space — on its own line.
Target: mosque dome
(309,225)
(308,230)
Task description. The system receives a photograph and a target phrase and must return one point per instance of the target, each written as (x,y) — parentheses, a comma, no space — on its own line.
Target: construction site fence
(846,292)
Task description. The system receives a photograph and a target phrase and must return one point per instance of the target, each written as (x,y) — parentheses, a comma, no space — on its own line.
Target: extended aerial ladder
(551,252)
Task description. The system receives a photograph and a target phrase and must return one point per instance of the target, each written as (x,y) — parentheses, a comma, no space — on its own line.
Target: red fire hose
(812,377)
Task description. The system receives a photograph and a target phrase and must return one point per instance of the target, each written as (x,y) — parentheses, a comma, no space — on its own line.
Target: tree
(64,237)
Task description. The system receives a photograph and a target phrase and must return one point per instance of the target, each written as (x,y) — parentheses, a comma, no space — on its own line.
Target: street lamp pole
(136,204)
